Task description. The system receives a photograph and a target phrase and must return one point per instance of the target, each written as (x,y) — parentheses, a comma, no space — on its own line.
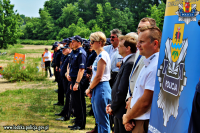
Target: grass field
(31,103)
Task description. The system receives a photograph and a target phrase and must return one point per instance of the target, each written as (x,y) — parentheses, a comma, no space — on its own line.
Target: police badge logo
(172,75)
(187,12)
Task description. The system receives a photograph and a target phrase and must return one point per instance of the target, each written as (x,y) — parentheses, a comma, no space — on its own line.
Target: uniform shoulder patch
(80,51)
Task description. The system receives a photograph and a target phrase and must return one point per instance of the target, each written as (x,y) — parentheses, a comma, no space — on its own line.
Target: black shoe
(59,114)
(72,126)
(62,119)
(59,104)
(56,90)
(76,128)
(51,75)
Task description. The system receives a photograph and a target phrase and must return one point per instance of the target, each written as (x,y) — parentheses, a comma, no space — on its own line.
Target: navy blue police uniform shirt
(58,58)
(54,58)
(64,65)
(78,61)
(91,58)
(195,115)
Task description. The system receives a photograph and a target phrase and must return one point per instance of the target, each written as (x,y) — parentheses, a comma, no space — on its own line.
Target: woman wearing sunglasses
(99,87)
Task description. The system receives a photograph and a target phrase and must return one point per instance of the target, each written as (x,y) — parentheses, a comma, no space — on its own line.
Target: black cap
(77,38)
(55,45)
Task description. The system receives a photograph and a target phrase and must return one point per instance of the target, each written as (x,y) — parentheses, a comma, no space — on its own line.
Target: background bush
(22,72)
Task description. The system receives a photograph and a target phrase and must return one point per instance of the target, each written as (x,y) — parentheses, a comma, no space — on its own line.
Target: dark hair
(154,34)
(151,21)
(46,49)
(116,31)
(129,41)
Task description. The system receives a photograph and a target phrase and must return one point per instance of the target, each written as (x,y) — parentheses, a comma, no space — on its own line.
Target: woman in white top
(99,87)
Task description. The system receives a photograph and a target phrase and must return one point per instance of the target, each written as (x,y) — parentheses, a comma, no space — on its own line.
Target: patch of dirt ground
(36,47)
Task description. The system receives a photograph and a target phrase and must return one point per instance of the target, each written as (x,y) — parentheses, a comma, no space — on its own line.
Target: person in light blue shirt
(113,52)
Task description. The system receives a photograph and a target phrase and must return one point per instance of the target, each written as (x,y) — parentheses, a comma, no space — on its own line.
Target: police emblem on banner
(172,74)
(187,12)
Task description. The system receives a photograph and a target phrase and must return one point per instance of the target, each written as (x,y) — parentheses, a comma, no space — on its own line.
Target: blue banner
(178,69)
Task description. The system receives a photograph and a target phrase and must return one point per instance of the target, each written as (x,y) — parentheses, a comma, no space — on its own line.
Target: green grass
(35,106)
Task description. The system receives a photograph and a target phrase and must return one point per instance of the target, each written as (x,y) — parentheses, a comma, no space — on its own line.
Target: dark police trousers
(66,112)
(78,101)
(60,89)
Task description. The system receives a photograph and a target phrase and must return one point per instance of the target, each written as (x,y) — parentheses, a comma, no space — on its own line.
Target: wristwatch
(77,82)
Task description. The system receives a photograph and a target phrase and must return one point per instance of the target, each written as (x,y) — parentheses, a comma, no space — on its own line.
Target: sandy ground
(36,47)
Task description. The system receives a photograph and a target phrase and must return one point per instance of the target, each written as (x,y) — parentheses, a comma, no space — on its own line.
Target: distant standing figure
(47,57)
(42,63)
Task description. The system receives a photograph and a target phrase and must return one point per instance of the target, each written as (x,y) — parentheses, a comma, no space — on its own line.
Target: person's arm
(101,65)
(140,107)
(67,73)
(78,79)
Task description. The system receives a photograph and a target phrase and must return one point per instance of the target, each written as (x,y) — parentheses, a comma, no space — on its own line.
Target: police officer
(77,78)
(66,112)
(60,85)
(55,45)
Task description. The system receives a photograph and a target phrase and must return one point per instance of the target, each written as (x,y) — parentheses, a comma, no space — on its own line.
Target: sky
(29,8)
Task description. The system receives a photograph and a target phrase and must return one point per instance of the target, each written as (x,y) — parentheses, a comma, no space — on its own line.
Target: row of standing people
(111,83)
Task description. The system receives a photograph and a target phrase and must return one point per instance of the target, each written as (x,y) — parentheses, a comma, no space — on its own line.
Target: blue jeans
(101,97)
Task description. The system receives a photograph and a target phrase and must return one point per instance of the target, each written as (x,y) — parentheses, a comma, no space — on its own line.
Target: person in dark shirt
(77,78)
(60,85)
(195,115)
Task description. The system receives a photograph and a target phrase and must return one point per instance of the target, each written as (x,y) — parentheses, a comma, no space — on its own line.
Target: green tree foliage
(9,24)
(158,13)
(69,15)
(65,18)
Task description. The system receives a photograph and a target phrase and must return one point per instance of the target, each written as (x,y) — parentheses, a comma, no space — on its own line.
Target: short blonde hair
(98,36)
(154,34)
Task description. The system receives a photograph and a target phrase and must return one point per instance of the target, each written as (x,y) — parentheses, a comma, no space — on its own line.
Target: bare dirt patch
(36,47)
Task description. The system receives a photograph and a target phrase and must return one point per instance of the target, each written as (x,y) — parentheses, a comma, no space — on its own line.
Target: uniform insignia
(187,12)
(172,75)
(82,64)
(80,51)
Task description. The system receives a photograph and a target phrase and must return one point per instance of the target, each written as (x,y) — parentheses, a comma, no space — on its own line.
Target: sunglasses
(92,42)
(113,36)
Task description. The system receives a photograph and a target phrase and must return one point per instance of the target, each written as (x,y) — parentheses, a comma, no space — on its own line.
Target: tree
(69,15)
(9,24)
(46,26)
(123,20)
(158,13)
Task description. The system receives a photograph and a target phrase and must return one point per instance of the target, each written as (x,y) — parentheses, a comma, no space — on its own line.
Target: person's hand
(110,112)
(75,88)
(56,68)
(107,108)
(88,76)
(125,119)
(88,93)
(70,87)
(69,78)
(59,69)
(129,126)
(118,64)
